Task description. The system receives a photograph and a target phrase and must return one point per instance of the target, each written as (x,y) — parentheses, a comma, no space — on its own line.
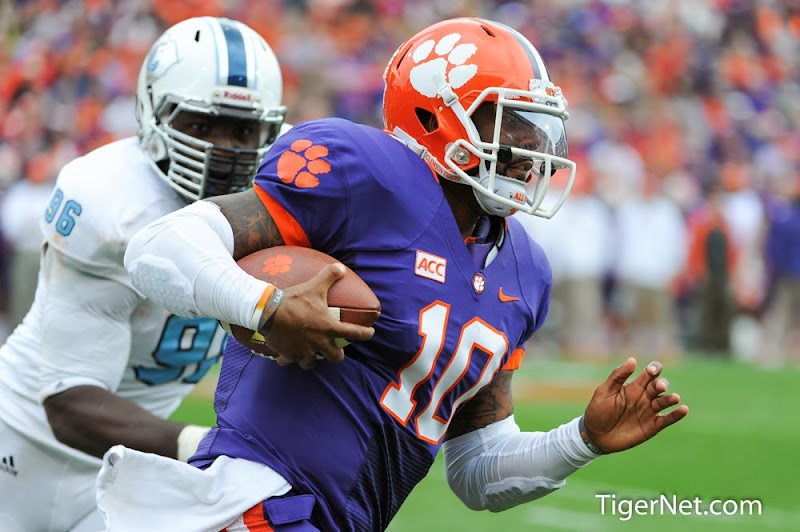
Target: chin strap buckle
(411,142)
(445,91)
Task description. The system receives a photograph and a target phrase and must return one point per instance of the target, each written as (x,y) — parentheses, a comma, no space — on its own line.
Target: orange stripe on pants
(255,521)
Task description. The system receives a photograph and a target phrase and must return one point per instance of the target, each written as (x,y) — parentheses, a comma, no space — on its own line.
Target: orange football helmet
(438,79)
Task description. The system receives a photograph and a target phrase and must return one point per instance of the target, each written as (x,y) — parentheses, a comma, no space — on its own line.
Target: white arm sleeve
(183,262)
(498,467)
(86,332)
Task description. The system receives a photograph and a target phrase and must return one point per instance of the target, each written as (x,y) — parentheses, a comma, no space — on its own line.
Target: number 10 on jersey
(400,399)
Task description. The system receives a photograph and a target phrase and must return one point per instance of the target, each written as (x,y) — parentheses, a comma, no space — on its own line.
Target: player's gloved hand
(620,415)
(303,327)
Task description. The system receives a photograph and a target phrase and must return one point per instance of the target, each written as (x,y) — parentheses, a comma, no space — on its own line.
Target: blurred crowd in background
(682,232)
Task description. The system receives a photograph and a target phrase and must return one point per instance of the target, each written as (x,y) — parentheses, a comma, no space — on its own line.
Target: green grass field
(740,441)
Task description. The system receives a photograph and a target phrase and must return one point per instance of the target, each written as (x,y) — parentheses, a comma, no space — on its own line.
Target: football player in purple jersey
(334,438)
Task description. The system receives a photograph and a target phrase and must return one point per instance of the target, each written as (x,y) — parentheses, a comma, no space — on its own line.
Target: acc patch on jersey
(430,266)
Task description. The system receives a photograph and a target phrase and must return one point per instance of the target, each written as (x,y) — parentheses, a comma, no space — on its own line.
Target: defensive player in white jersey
(94,363)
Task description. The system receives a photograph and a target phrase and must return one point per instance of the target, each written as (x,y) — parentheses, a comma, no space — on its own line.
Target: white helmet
(216,67)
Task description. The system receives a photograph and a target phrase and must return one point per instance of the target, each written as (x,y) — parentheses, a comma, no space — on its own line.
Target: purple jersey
(361,434)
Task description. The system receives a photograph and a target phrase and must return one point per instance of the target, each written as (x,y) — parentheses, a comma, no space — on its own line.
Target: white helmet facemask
(199,168)
(527,136)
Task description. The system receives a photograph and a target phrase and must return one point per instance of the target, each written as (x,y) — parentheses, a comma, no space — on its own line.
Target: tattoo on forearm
(491,404)
(253,227)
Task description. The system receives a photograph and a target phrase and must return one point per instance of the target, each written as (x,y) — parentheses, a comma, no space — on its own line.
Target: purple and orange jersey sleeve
(303,185)
(330,184)
(291,231)
(514,359)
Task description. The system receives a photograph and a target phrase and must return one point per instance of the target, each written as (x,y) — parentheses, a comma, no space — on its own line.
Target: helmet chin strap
(504,187)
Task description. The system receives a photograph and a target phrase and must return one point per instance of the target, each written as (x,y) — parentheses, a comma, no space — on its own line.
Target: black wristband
(272,305)
(586,439)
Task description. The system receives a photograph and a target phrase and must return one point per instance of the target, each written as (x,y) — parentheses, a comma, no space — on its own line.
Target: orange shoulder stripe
(514,359)
(291,232)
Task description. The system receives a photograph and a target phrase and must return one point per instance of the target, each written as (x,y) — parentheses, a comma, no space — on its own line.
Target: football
(350,299)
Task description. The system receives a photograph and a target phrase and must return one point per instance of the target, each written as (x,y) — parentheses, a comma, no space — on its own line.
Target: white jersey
(88,325)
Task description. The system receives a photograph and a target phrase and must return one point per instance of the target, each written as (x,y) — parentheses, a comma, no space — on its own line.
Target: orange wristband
(270,300)
(262,302)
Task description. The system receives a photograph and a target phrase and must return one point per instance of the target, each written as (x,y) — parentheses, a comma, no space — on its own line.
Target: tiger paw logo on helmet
(450,64)
(303,163)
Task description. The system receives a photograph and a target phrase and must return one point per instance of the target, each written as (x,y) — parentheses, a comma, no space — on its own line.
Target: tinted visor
(532,131)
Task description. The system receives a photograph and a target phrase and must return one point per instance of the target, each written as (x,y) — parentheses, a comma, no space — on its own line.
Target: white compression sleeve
(183,262)
(498,467)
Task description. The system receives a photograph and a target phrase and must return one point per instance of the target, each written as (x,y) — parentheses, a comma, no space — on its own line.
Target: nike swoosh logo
(504,298)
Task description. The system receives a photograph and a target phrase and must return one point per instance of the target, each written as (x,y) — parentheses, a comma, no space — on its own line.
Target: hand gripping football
(350,299)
